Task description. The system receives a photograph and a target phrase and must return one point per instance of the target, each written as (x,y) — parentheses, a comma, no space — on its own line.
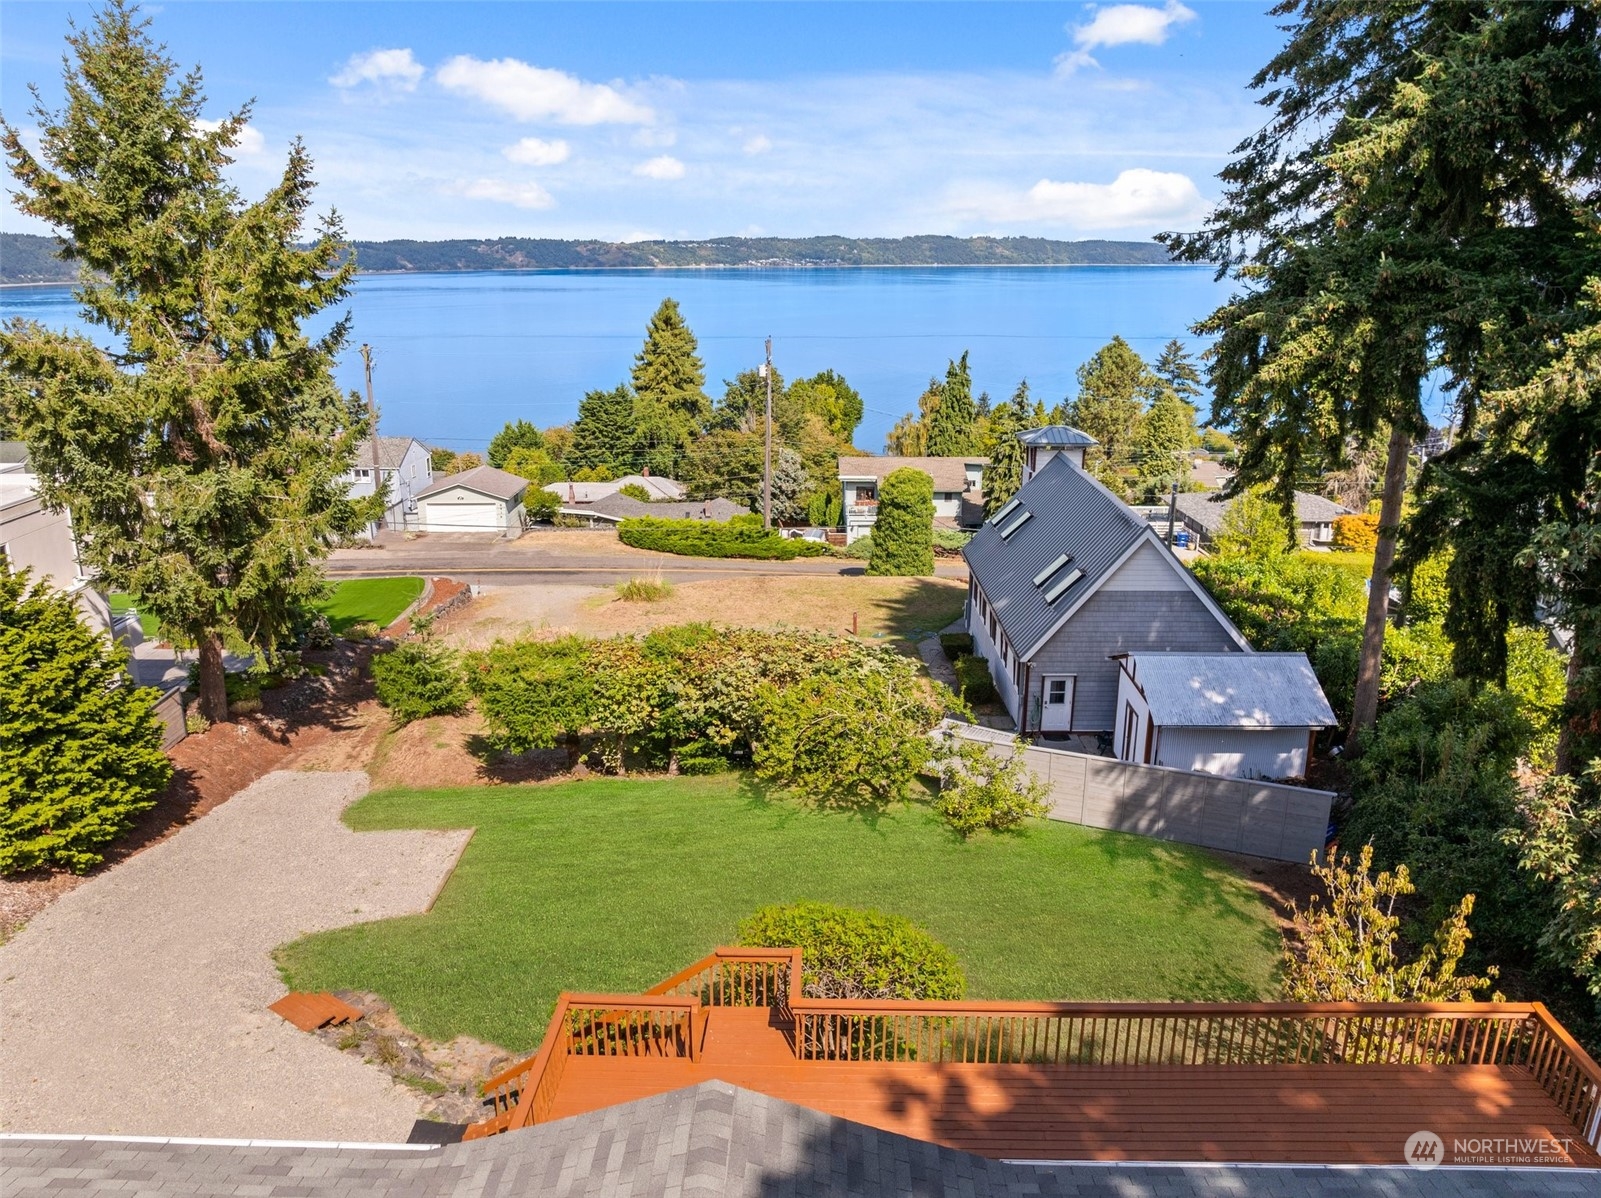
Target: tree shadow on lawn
(1186,877)
(537,765)
(789,807)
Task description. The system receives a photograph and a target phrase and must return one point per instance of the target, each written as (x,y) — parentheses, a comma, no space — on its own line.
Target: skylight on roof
(1022,519)
(1040,578)
(1059,588)
(1006,511)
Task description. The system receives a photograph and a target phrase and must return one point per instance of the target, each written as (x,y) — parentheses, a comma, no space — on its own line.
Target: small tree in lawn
(980,789)
(80,750)
(903,536)
(1348,945)
(202,457)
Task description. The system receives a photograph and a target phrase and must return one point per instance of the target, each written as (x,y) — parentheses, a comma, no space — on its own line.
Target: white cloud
(525,194)
(664,167)
(650,139)
(759,144)
(1121,25)
(532,93)
(396,69)
(1136,198)
(249,141)
(534,151)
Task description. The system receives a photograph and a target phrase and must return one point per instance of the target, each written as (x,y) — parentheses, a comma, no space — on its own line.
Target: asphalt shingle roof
(484,479)
(949,474)
(622,507)
(1207,510)
(1232,690)
(391,452)
(1072,514)
(589,492)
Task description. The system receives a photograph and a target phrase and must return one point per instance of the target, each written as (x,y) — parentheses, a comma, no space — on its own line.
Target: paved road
(524,562)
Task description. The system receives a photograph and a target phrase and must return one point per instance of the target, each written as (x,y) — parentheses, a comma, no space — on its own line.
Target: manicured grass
(612,885)
(380,600)
(121,602)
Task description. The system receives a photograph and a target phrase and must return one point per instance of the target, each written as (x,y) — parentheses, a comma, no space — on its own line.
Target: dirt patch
(885,609)
(448,1075)
(445,595)
(327,720)
(1284,884)
(451,751)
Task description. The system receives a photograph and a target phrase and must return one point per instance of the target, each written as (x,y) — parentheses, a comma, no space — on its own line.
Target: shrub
(80,749)
(973,681)
(743,536)
(951,540)
(982,789)
(956,644)
(903,535)
(541,505)
(417,679)
(644,590)
(861,548)
(853,953)
(1356,533)
(362,630)
(318,633)
(194,723)
(635,491)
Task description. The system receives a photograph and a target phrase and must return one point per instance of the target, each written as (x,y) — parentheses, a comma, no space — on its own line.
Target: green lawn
(121,602)
(380,600)
(609,884)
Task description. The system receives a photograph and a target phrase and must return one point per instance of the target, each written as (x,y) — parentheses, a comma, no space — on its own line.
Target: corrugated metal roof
(1058,436)
(1073,515)
(1232,690)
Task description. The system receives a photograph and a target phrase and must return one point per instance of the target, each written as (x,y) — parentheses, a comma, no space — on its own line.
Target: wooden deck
(1328,1114)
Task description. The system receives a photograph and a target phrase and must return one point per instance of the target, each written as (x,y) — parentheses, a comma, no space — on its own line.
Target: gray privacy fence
(169,710)
(1265,819)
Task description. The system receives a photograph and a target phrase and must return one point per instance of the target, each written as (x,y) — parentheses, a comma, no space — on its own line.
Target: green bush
(861,548)
(903,535)
(80,749)
(743,536)
(982,789)
(973,680)
(951,540)
(851,953)
(635,491)
(956,644)
(540,505)
(417,679)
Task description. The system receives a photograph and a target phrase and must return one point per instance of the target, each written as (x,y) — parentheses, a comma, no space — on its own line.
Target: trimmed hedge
(903,534)
(848,952)
(973,680)
(956,644)
(743,536)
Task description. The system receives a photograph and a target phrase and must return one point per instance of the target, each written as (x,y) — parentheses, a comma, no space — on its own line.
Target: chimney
(644,471)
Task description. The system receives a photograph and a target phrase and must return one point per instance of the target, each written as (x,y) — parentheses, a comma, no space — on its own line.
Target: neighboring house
(1209,473)
(42,542)
(612,509)
(573,494)
(1202,515)
(958,490)
(1063,578)
(1040,445)
(482,499)
(404,466)
(1239,715)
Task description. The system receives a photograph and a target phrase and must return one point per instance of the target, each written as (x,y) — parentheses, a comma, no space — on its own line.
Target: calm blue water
(458,355)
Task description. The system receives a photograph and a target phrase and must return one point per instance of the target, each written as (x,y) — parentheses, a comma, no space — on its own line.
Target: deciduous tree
(1112,390)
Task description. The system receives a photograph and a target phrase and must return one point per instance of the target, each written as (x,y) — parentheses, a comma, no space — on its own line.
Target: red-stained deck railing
(670,1020)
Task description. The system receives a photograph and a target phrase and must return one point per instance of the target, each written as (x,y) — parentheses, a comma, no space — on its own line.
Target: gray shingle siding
(1121,622)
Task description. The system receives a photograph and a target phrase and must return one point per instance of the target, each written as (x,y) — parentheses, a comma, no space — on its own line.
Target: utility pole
(1172,512)
(372,433)
(767,453)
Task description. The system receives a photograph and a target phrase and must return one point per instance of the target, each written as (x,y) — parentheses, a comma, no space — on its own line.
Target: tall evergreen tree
(202,458)
(667,370)
(1176,368)
(1112,389)
(1162,445)
(950,428)
(1004,474)
(604,434)
(518,434)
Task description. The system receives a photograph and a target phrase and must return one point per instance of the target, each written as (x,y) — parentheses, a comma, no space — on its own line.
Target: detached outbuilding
(1237,715)
(483,499)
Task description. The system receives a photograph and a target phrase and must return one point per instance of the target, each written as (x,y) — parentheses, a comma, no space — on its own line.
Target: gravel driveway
(136,1004)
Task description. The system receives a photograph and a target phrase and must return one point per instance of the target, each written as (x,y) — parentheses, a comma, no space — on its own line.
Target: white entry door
(1057,713)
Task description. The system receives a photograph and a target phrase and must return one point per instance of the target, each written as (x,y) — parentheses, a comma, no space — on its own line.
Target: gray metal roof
(1231,690)
(1056,435)
(1206,510)
(1071,514)
(486,480)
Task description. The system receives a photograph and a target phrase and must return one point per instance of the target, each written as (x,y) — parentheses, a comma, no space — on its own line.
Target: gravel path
(136,1004)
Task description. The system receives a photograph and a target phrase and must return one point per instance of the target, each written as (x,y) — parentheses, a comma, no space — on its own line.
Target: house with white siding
(404,467)
(1237,715)
(1066,577)
(40,541)
(958,490)
(482,499)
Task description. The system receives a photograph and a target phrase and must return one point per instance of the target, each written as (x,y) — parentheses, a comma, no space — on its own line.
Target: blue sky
(625,121)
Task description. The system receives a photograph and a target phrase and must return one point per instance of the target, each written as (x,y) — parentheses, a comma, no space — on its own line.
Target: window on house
(1017,522)
(363,473)
(1129,721)
(1056,691)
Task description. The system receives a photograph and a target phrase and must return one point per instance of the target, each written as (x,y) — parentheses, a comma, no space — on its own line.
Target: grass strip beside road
(376,600)
(613,884)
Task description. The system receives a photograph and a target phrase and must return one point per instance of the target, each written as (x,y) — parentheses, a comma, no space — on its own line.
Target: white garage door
(461,515)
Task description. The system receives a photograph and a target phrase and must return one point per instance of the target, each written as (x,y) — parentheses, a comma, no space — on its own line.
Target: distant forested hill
(26,258)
